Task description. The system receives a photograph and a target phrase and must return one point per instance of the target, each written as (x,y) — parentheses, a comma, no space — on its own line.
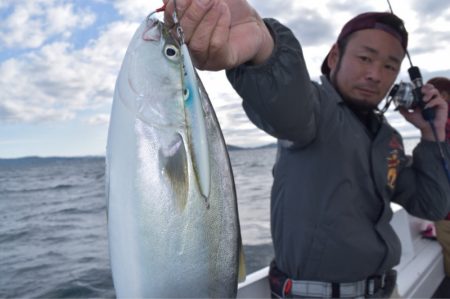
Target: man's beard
(357,105)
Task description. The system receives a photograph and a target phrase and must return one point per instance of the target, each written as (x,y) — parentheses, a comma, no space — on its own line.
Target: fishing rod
(409,95)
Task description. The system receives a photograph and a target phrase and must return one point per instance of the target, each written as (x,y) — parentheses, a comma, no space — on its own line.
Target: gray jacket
(333,181)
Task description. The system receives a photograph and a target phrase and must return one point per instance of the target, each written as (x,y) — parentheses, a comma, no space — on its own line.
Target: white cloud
(62,18)
(135,10)
(32,23)
(99,119)
(57,81)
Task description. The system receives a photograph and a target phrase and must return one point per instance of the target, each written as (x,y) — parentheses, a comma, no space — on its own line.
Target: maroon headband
(385,21)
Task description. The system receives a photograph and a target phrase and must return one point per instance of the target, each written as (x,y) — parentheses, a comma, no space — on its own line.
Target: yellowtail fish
(173,221)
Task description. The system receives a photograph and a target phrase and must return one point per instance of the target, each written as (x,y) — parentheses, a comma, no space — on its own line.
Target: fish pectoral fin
(174,165)
(242,272)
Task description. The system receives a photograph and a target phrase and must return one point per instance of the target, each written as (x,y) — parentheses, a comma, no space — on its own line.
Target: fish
(172,212)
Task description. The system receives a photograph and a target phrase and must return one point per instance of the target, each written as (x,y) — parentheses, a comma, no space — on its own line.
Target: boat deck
(420,272)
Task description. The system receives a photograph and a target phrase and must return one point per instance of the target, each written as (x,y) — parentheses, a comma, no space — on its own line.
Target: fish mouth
(156,30)
(153,30)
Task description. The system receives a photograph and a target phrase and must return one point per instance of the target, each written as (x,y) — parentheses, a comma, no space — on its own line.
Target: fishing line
(161,9)
(441,152)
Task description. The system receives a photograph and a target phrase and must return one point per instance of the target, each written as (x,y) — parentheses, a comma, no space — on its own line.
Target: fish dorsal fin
(174,166)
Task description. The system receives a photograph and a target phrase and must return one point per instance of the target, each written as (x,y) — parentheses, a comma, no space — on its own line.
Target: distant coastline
(239,148)
(37,159)
(230,147)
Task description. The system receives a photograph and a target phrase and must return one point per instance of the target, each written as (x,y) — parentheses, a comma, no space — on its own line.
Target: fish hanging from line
(173,222)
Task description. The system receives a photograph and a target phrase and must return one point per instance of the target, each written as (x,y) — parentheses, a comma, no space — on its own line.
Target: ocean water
(53,237)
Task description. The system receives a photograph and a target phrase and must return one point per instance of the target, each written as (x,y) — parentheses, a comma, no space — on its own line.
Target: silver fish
(170,235)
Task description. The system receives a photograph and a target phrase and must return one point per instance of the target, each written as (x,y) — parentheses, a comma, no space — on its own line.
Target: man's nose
(374,72)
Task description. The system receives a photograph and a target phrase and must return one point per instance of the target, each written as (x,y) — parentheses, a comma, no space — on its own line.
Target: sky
(59,60)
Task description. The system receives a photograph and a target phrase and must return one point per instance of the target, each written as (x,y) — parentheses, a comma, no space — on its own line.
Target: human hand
(434,100)
(221,34)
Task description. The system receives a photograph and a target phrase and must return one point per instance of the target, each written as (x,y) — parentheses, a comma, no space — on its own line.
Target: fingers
(206,26)
(200,39)
(434,100)
(221,34)
(219,42)
(191,14)
(182,5)
(431,96)
(218,39)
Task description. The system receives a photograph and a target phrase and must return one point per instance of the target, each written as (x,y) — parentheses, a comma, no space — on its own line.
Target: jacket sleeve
(278,96)
(423,188)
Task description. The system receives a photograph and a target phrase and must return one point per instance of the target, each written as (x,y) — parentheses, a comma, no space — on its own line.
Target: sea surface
(53,237)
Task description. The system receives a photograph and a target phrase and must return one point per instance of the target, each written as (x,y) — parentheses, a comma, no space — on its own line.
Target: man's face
(368,67)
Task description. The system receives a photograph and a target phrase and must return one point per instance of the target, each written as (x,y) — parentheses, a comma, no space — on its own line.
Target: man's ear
(333,57)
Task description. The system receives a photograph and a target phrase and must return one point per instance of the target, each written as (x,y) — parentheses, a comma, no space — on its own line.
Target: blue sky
(59,60)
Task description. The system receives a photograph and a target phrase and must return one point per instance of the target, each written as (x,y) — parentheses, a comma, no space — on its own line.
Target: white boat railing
(420,271)
(421,267)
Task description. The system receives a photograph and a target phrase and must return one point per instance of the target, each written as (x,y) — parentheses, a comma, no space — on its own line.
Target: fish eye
(186,94)
(171,52)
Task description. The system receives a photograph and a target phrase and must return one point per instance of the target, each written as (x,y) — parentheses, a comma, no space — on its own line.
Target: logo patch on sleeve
(393,161)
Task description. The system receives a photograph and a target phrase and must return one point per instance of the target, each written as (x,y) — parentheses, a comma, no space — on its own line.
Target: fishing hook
(177,24)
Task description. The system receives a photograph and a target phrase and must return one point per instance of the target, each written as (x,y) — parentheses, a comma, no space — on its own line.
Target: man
(443,226)
(339,164)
